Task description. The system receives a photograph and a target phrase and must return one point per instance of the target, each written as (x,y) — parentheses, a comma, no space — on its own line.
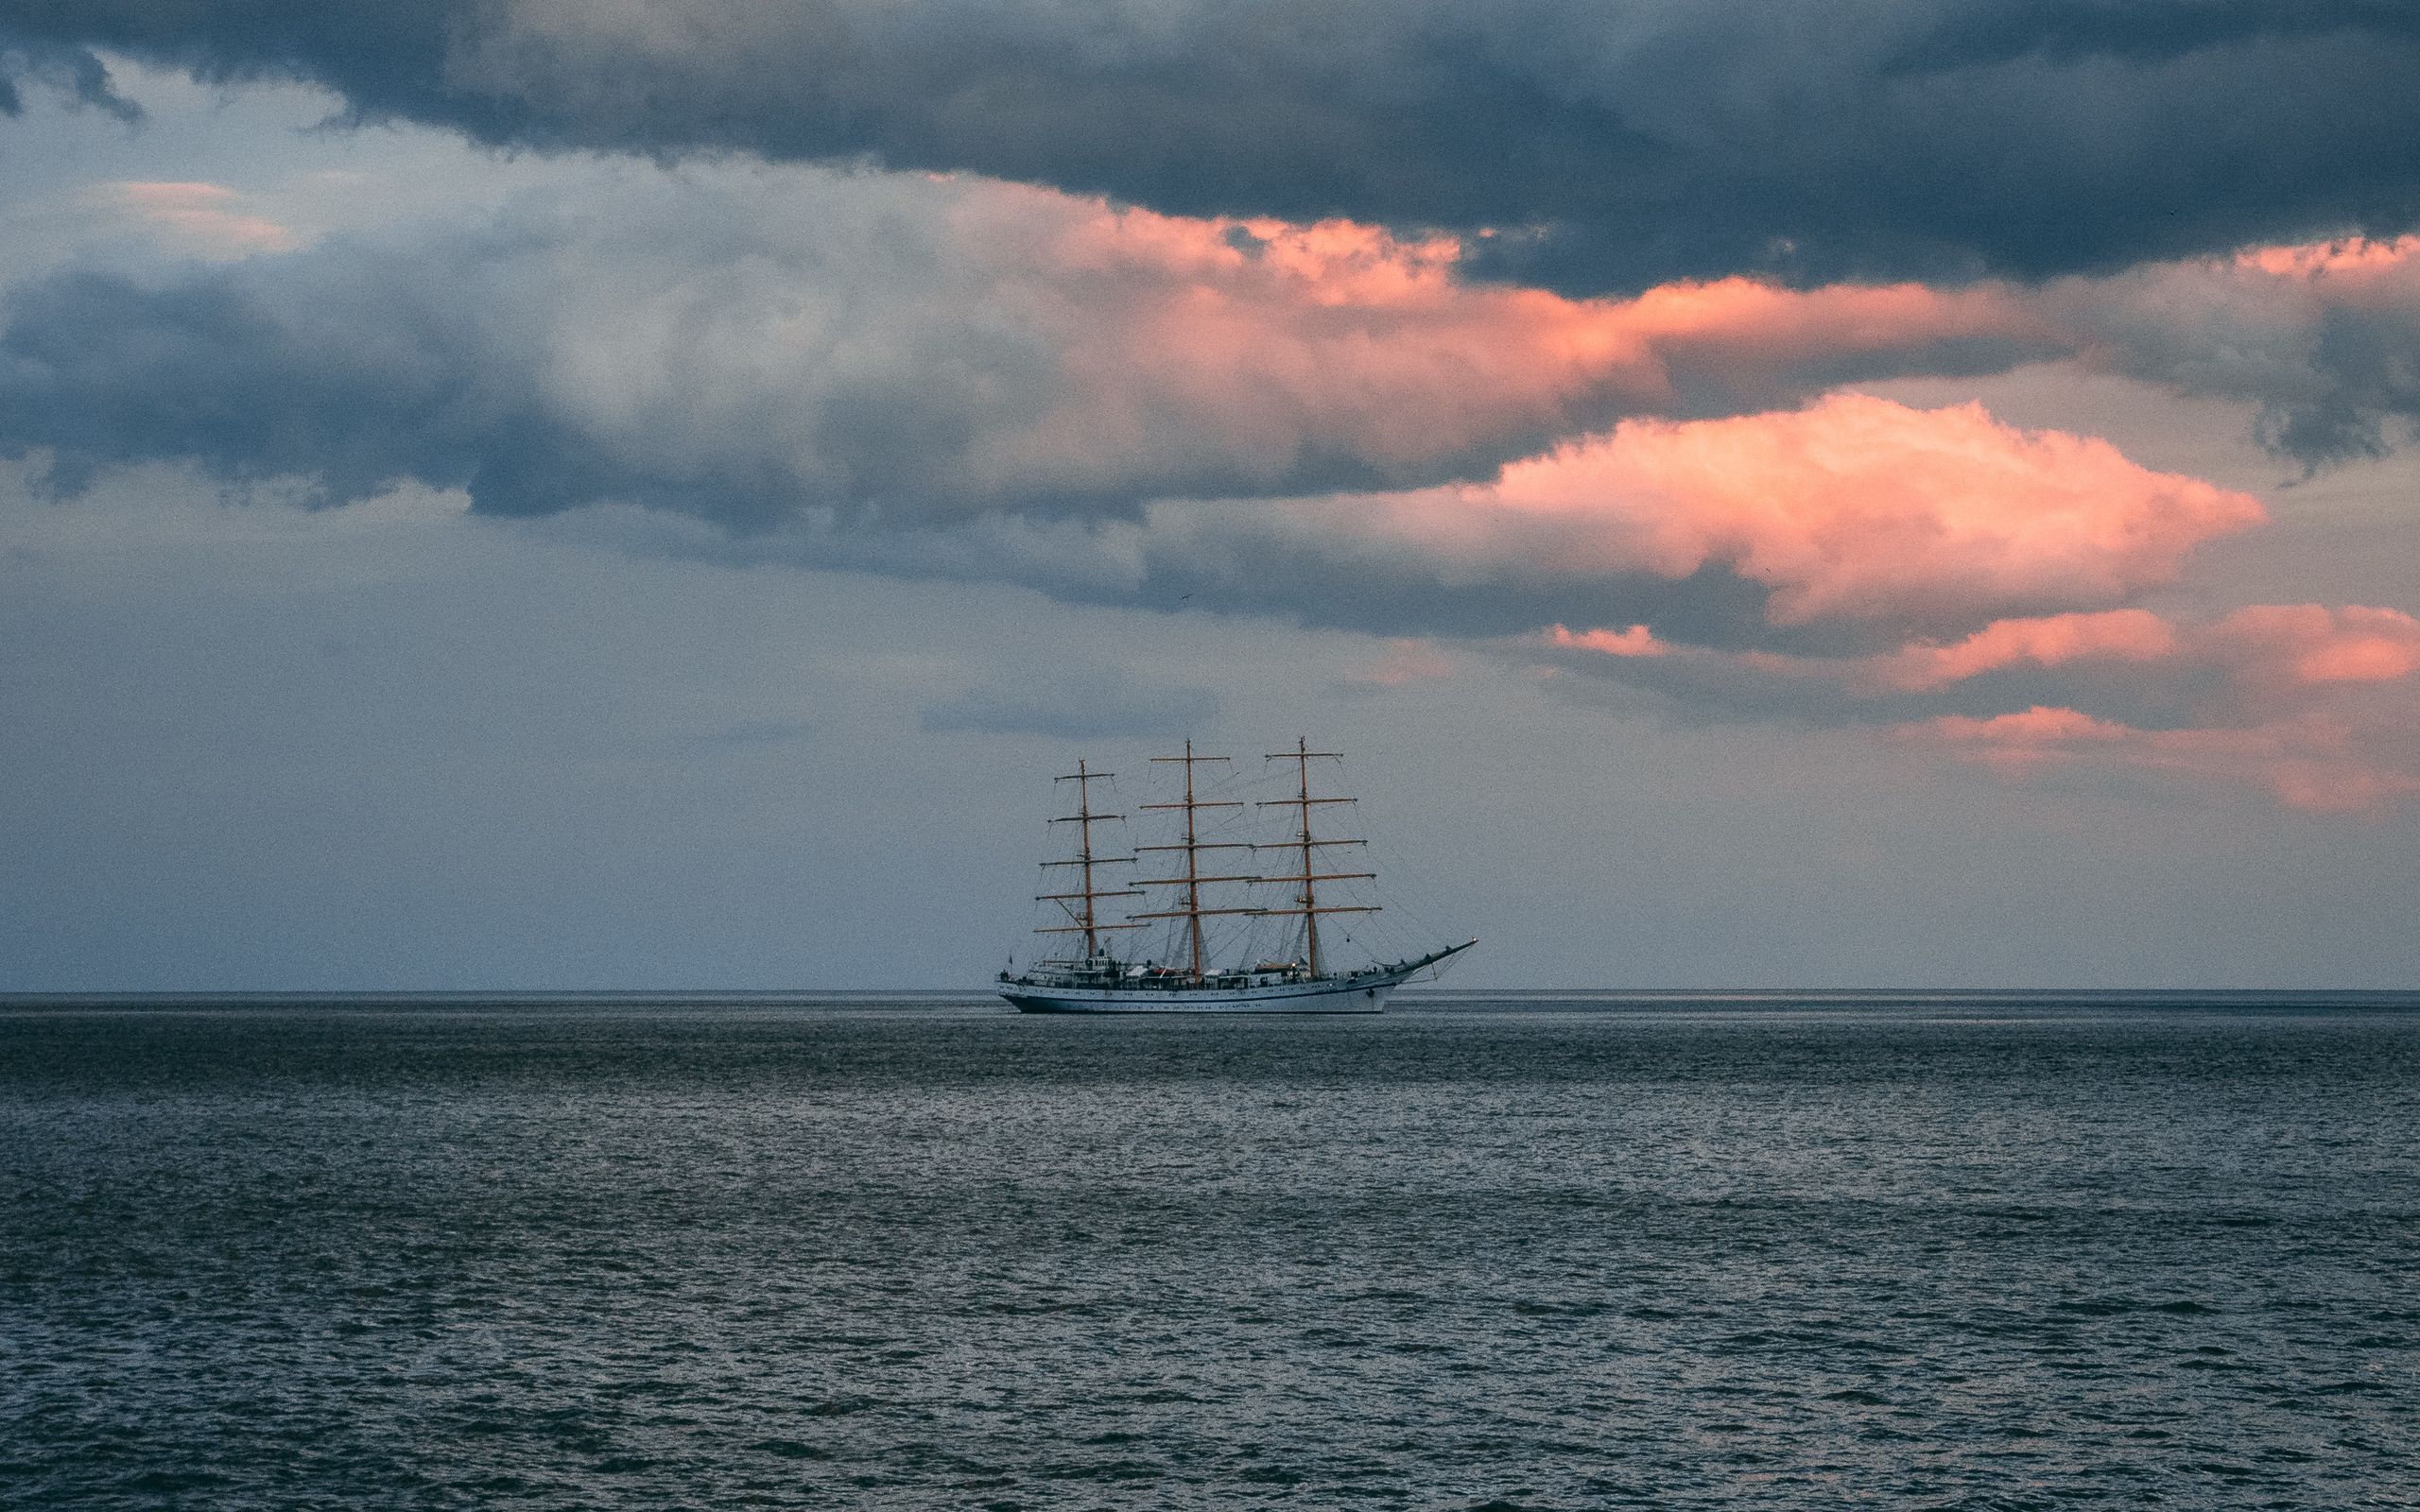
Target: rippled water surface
(1966,1252)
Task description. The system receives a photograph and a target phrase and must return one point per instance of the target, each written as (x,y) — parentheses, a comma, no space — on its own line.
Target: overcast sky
(645,494)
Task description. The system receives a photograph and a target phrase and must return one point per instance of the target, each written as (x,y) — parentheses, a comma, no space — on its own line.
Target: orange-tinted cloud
(2317,704)
(204,214)
(1282,342)
(1278,343)
(951,347)
(2350,257)
(2311,761)
(1856,507)
(1407,660)
(2027,734)
(953,375)
(2049,641)
(2312,644)
(1636,641)
(1295,337)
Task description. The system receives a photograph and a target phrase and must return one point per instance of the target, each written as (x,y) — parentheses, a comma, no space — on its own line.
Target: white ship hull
(1361,993)
(1301,997)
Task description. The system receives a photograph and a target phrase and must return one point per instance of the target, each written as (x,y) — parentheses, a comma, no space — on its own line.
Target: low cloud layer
(29,58)
(207,219)
(756,347)
(957,377)
(1852,520)
(2315,704)
(1611,147)
(1099,704)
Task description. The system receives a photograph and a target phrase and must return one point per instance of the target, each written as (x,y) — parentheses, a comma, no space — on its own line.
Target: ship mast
(1306,901)
(1086,920)
(1193,845)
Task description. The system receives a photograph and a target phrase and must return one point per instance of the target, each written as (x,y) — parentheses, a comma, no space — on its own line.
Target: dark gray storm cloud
(685,367)
(2327,357)
(2344,388)
(71,70)
(1611,145)
(2371,395)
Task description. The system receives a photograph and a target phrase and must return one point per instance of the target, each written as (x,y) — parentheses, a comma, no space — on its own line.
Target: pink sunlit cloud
(2311,761)
(2317,704)
(1636,641)
(1270,341)
(2025,734)
(2314,646)
(206,215)
(1407,660)
(1856,507)
(1284,340)
(2049,641)
(2349,257)
(1094,398)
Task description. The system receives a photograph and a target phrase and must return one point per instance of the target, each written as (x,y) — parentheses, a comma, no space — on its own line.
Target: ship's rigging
(1085,920)
(1191,847)
(1202,878)
(1209,872)
(1307,879)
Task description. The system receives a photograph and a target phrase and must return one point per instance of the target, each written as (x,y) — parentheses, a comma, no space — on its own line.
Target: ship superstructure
(1210,871)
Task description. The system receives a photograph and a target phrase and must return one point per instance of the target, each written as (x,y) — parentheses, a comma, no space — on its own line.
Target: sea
(1948,1250)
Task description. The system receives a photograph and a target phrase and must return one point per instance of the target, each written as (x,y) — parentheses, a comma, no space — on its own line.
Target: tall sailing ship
(1201,885)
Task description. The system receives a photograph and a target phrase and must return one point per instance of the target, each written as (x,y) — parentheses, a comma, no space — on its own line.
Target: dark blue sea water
(1954,1252)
